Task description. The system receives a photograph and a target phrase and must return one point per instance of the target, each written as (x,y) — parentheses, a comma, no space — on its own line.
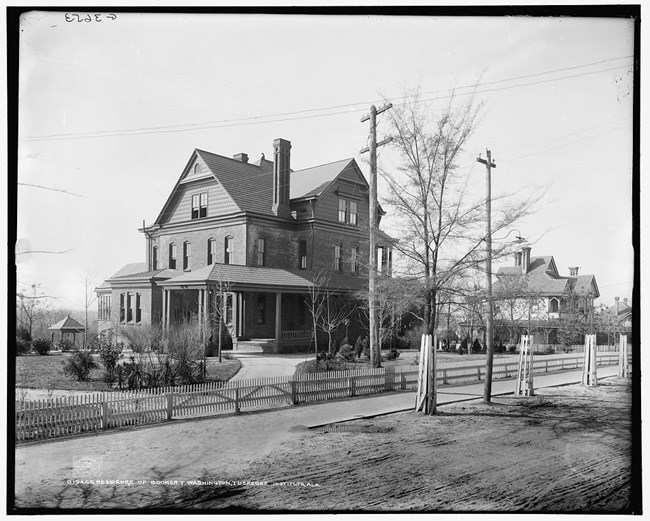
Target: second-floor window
(229,250)
(261,250)
(302,255)
(337,257)
(348,211)
(553,305)
(187,255)
(172,256)
(212,251)
(154,258)
(199,205)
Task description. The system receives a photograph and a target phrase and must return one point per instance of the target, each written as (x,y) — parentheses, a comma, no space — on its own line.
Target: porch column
(164,309)
(205,306)
(278,315)
(201,317)
(241,313)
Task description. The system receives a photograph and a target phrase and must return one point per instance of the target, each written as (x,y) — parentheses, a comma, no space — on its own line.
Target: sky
(111,110)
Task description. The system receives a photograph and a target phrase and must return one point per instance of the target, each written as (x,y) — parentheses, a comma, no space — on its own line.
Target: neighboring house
(261,232)
(533,294)
(615,320)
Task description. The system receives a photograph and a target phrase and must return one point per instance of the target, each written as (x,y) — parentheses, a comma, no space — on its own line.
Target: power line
(351,108)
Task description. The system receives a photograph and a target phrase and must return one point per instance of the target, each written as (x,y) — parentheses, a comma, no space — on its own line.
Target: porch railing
(297,334)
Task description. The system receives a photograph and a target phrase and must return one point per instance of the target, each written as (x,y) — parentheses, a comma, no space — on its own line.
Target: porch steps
(259,345)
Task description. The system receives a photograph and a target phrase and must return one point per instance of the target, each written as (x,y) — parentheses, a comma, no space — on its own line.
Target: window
(261,248)
(187,255)
(261,309)
(212,251)
(343,210)
(302,255)
(384,260)
(138,309)
(354,209)
(348,211)
(229,250)
(129,307)
(122,314)
(553,305)
(199,205)
(354,256)
(172,256)
(105,307)
(197,168)
(337,257)
(154,258)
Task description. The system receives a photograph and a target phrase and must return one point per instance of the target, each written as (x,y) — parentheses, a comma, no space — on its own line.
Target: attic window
(199,205)
(198,168)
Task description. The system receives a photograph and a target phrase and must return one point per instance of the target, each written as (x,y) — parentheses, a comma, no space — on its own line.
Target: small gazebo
(67,326)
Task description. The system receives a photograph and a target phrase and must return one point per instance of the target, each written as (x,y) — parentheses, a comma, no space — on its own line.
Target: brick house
(533,292)
(259,231)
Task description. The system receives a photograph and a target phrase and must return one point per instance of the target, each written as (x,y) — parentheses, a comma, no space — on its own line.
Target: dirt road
(567,449)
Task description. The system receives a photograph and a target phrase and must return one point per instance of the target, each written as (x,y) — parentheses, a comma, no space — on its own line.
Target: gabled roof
(161,273)
(312,182)
(67,323)
(250,185)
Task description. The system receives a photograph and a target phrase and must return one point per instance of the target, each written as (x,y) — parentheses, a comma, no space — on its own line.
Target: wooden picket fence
(67,416)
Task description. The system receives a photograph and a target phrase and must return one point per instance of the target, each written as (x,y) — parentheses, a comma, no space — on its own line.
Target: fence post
(352,385)
(237,400)
(170,405)
(546,361)
(478,373)
(294,393)
(403,381)
(104,413)
(444,376)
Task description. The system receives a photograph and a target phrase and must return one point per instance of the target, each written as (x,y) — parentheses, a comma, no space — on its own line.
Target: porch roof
(261,277)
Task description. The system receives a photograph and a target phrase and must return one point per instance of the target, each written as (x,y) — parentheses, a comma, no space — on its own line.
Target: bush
(66,345)
(476,346)
(22,346)
(109,354)
(346,352)
(393,354)
(23,334)
(79,365)
(42,346)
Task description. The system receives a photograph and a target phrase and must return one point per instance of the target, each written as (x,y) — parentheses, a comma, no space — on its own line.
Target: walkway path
(258,365)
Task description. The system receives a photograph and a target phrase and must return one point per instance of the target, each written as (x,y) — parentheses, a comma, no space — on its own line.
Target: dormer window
(200,205)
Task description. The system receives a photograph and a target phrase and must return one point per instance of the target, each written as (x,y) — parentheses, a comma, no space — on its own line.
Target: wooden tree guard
(524,384)
(589,367)
(426,397)
(623,359)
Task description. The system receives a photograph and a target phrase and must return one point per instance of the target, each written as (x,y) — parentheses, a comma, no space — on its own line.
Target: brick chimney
(573,271)
(525,259)
(281,173)
(241,157)
(617,305)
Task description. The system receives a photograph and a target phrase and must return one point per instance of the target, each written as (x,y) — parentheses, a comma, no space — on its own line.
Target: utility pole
(375,348)
(489,348)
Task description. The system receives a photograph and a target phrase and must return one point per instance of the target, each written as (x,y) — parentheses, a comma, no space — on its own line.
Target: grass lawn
(407,357)
(46,372)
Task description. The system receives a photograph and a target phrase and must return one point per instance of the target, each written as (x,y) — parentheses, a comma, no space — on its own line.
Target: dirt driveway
(567,449)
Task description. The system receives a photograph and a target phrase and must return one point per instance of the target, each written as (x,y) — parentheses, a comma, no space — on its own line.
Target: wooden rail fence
(59,417)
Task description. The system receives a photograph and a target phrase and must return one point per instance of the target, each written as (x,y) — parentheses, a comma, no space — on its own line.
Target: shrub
(22,346)
(109,354)
(23,333)
(42,346)
(346,352)
(476,346)
(66,345)
(393,354)
(79,365)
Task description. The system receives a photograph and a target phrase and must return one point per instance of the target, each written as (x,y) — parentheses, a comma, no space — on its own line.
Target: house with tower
(251,238)
(532,295)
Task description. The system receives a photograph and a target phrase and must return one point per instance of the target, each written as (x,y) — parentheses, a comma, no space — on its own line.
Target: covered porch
(248,301)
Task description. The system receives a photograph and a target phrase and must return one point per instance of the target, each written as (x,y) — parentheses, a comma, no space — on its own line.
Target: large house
(258,234)
(532,294)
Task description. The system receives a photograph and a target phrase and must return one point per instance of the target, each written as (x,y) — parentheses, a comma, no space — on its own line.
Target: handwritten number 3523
(97,17)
